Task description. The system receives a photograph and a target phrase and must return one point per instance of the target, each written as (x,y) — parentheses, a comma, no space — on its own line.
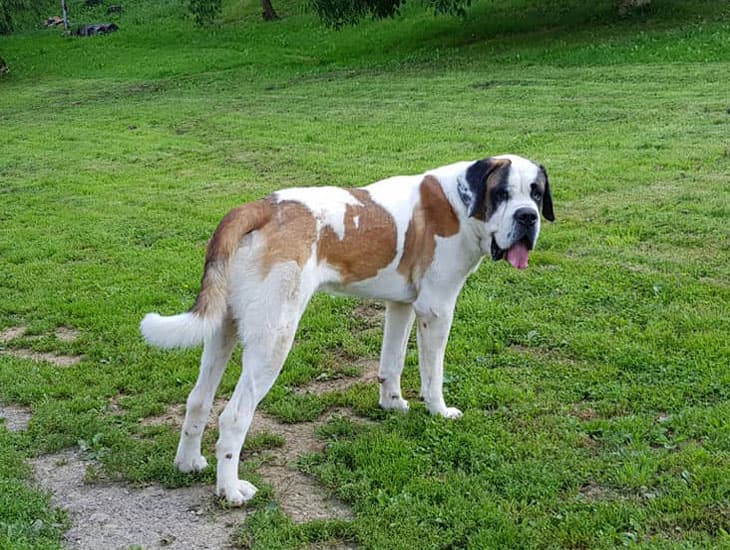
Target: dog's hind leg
(262,362)
(398,322)
(216,353)
(270,325)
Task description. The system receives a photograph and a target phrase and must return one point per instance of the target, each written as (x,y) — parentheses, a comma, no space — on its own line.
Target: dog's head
(506,194)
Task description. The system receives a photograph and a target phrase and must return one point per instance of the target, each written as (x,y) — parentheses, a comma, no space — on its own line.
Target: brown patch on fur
(224,243)
(432,216)
(237,223)
(289,235)
(495,177)
(367,246)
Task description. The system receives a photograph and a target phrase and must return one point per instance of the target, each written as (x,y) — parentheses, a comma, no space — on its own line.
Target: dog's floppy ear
(547,198)
(478,180)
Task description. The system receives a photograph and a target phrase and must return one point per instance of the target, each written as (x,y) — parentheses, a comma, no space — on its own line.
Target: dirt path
(113,515)
(302,497)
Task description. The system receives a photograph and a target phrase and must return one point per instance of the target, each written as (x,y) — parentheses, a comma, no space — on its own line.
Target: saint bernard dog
(411,241)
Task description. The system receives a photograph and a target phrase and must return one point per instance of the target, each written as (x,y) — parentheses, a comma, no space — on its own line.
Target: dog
(411,241)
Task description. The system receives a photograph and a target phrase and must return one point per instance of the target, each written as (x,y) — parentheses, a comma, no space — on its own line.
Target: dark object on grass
(114,9)
(3,66)
(268,12)
(205,11)
(94,2)
(626,6)
(98,28)
(338,13)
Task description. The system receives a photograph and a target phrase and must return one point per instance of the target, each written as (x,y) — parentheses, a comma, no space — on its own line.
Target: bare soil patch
(540,353)
(46,356)
(370,312)
(16,418)
(67,334)
(583,412)
(593,491)
(114,408)
(175,414)
(12,333)
(114,515)
(302,497)
(341,383)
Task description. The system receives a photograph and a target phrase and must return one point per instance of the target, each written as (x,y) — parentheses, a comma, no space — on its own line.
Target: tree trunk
(269,14)
(65,15)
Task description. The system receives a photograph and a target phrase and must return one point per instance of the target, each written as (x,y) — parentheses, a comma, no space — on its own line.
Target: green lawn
(595,385)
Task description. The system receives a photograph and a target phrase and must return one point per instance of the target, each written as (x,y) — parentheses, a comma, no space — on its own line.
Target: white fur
(177,331)
(263,313)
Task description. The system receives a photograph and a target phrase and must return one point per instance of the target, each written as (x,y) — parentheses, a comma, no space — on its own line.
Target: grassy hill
(595,385)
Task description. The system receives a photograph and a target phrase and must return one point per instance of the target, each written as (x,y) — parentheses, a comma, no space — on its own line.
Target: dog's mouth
(518,255)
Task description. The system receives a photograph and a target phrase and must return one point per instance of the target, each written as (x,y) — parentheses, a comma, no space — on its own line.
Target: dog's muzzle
(523,235)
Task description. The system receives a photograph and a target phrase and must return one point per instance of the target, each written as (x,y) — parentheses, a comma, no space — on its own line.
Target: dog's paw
(191,464)
(451,412)
(394,403)
(237,493)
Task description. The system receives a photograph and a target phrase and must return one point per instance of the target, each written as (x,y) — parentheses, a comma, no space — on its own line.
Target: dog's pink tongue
(518,255)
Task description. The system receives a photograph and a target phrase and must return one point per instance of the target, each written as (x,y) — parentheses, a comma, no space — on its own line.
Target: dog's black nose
(526,216)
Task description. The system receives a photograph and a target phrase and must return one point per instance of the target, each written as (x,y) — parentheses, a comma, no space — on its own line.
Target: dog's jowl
(409,240)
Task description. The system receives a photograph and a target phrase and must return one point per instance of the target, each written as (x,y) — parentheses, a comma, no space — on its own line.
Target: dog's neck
(472,229)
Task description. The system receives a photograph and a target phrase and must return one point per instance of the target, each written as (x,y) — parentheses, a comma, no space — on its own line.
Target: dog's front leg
(398,324)
(434,325)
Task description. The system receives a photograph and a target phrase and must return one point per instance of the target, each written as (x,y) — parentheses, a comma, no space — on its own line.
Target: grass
(595,386)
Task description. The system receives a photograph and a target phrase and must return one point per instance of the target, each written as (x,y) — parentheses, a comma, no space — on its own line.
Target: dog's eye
(536,195)
(502,195)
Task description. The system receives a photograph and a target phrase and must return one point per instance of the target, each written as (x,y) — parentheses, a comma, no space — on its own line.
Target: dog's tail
(191,328)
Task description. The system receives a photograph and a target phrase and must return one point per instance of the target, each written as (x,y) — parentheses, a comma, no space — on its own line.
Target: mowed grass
(595,385)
